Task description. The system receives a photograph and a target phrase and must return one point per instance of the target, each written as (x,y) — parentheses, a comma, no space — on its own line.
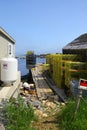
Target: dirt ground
(47,105)
(47,123)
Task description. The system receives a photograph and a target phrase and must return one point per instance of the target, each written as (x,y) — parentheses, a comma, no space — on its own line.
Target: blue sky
(44,26)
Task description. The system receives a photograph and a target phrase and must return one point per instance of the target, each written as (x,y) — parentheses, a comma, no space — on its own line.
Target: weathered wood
(43,89)
(78,102)
(58,91)
(43,85)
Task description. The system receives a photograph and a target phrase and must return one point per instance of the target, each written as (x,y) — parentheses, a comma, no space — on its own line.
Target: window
(9,50)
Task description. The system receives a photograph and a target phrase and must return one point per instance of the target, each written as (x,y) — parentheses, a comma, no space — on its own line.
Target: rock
(26,92)
(36,104)
(33,98)
(44,102)
(21,88)
(25,84)
(26,88)
(51,105)
(32,92)
(38,113)
(41,108)
(43,97)
(45,115)
(52,98)
(1,104)
(29,103)
(32,86)
(23,97)
(56,98)
(56,102)
(22,94)
(63,104)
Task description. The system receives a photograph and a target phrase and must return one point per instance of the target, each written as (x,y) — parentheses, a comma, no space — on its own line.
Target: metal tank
(9,67)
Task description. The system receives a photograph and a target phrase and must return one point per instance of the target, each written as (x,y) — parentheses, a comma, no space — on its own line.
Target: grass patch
(65,117)
(18,115)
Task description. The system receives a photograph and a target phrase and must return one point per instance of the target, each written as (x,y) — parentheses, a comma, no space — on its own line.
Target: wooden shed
(77,46)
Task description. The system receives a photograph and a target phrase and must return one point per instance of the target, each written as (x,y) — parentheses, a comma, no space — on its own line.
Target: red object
(83,83)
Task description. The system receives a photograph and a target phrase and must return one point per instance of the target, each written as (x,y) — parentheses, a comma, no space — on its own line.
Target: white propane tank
(9,67)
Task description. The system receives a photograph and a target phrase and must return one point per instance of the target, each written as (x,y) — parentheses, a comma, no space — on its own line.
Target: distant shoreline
(24,56)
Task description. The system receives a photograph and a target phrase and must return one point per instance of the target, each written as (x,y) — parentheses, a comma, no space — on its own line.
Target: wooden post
(78,102)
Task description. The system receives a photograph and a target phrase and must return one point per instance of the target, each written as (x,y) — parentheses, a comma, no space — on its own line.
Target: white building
(7,51)
(6,44)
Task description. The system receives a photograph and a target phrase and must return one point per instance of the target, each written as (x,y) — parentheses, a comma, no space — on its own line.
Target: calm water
(22,65)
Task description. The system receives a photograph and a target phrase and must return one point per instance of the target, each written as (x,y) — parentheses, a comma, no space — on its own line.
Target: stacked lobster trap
(65,67)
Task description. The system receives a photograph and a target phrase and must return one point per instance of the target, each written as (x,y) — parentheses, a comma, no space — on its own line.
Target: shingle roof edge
(7,35)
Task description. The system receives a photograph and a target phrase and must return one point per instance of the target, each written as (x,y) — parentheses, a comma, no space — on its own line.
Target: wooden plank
(58,91)
(43,85)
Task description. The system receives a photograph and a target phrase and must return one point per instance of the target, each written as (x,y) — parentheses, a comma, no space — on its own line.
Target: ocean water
(22,65)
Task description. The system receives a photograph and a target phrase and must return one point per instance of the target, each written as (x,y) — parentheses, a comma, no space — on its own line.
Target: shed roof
(2,31)
(78,44)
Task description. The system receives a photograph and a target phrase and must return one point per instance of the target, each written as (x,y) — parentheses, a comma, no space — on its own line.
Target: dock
(44,85)
(42,88)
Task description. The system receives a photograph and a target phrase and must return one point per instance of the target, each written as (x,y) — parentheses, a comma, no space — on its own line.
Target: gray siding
(4,44)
